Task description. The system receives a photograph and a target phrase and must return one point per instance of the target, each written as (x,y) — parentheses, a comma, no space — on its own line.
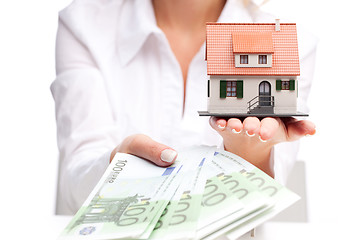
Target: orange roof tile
(220,47)
(252,42)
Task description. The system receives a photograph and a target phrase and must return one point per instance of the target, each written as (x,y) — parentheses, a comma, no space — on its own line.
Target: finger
(251,126)
(298,129)
(218,124)
(145,147)
(235,125)
(269,127)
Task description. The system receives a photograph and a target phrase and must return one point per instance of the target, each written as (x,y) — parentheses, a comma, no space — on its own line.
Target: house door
(264,94)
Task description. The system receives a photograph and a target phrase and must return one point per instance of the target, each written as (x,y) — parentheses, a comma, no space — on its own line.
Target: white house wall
(253,60)
(285,100)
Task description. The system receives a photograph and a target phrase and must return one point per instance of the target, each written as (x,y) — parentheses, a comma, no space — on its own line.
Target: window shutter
(239,91)
(292,84)
(278,85)
(208,88)
(223,89)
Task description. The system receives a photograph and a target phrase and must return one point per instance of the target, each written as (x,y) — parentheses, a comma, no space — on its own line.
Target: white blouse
(117,76)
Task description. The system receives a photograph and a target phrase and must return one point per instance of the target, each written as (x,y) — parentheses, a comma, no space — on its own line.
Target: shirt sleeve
(86,133)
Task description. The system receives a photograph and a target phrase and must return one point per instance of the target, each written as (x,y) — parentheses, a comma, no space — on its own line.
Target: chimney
(277,25)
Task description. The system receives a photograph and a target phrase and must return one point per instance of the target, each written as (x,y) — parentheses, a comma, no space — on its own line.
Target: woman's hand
(253,139)
(143,146)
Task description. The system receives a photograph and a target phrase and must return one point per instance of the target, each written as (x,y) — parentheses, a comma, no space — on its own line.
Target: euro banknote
(180,219)
(246,198)
(206,194)
(126,201)
(181,216)
(278,197)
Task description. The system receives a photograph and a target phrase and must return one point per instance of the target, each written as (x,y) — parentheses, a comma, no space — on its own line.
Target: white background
(28,149)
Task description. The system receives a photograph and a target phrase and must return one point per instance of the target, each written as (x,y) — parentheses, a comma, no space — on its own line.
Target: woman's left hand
(253,139)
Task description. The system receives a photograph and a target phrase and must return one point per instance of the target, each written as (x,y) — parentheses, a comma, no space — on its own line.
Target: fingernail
(311,133)
(220,126)
(250,135)
(168,155)
(236,132)
(264,141)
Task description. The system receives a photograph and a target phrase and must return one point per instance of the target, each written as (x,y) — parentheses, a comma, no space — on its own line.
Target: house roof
(225,39)
(252,42)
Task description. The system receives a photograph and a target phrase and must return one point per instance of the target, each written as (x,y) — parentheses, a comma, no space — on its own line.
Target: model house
(252,69)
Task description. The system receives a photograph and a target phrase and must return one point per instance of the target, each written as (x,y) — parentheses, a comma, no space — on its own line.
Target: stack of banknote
(206,194)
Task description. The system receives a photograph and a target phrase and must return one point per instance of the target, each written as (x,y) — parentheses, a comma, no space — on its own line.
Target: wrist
(260,156)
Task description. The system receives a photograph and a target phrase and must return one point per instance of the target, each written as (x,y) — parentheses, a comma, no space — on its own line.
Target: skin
(253,139)
(183,22)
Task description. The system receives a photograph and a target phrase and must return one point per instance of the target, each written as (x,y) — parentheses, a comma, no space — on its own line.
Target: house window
(244,59)
(262,59)
(231,89)
(285,85)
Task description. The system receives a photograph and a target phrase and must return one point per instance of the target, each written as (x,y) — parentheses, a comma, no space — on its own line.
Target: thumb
(298,129)
(143,146)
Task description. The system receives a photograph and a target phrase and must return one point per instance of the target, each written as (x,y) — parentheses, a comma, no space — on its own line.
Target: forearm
(85,132)
(79,173)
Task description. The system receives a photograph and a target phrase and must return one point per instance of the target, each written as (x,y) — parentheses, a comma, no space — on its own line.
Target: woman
(131,77)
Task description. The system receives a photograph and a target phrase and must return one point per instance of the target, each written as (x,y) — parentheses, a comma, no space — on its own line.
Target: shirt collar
(138,22)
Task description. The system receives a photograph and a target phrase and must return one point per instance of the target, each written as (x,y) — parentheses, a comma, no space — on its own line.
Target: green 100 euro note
(125,202)
(205,194)
(179,220)
(277,197)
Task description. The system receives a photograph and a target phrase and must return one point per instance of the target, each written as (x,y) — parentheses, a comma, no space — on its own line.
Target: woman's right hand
(143,146)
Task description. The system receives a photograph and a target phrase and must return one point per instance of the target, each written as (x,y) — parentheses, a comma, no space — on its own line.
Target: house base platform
(241,115)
